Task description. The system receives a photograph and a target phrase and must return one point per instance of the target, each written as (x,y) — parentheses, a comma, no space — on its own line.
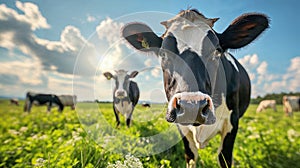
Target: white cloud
(155,72)
(90,18)
(250,62)
(18,34)
(262,68)
(48,65)
(264,81)
(32,15)
(109,30)
(26,71)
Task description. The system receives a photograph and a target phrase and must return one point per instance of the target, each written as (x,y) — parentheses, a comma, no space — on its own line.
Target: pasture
(87,138)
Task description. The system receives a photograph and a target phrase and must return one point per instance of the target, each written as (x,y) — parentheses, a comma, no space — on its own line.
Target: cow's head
(121,78)
(189,50)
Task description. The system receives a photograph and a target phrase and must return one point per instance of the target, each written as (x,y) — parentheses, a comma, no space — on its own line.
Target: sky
(63,47)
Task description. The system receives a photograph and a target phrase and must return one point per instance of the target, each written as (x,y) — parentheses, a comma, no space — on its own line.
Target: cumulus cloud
(32,15)
(262,68)
(51,65)
(17,33)
(27,71)
(264,81)
(109,30)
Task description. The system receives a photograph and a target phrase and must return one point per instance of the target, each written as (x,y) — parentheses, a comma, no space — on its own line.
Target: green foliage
(41,139)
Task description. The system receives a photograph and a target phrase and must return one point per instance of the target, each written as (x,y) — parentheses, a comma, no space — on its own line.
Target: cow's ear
(243,30)
(133,74)
(108,75)
(141,37)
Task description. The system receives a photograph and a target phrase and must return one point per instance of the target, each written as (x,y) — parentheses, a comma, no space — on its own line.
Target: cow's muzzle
(193,108)
(120,94)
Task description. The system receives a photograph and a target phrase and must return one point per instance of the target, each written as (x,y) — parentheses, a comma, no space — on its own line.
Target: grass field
(87,138)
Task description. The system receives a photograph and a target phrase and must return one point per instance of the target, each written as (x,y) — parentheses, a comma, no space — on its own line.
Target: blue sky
(41,42)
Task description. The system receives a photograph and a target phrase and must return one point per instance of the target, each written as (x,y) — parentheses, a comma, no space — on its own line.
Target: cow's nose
(190,110)
(120,93)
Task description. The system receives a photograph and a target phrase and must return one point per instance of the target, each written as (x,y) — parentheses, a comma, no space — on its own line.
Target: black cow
(207,88)
(144,104)
(42,99)
(14,102)
(125,95)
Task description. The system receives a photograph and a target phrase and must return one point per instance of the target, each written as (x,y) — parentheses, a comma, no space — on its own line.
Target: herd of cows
(211,100)
(290,105)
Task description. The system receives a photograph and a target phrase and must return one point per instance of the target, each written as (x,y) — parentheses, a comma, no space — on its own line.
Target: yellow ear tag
(145,43)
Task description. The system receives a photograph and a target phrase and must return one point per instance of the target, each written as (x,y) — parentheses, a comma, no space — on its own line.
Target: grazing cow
(125,95)
(42,99)
(68,100)
(207,89)
(146,104)
(14,102)
(264,104)
(291,104)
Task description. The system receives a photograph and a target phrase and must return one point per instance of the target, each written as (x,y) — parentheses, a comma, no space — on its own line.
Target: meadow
(88,138)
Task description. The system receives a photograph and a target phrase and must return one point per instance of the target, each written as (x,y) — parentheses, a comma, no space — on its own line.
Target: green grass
(87,138)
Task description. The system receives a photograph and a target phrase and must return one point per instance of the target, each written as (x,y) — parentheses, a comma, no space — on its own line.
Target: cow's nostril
(205,110)
(171,116)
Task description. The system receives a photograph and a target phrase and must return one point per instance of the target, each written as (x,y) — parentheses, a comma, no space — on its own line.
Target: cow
(68,100)
(264,104)
(207,89)
(144,104)
(126,94)
(14,102)
(291,104)
(42,99)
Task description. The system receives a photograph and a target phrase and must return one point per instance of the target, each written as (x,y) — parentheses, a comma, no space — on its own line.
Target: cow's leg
(61,108)
(25,106)
(117,116)
(275,109)
(29,106)
(128,120)
(225,150)
(190,148)
(49,106)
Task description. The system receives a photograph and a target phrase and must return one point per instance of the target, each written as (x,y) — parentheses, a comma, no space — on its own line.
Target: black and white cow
(125,94)
(207,88)
(42,99)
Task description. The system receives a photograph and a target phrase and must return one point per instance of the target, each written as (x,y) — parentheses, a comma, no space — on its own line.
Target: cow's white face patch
(189,35)
(120,83)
